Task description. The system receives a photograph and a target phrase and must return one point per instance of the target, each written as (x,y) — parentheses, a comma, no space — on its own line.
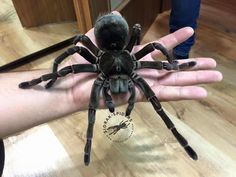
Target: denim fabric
(184,13)
(2,156)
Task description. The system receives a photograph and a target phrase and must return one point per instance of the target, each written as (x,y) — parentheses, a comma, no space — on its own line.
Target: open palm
(167,85)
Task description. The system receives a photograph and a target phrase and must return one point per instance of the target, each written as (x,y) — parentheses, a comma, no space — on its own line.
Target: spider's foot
(110,106)
(137,28)
(87,151)
(50,83)
(112,110)
(128,112)
(77,39)
(24,85)
(187,65)
(174,61)
(191,152)
(184,144)
(86,159)
(192,63)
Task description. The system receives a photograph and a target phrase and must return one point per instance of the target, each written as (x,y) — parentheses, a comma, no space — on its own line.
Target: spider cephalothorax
(116,67)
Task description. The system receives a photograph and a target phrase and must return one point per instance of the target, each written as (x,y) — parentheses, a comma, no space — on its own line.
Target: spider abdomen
(111,32)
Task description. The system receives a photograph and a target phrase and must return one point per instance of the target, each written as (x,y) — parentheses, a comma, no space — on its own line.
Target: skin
(22,109)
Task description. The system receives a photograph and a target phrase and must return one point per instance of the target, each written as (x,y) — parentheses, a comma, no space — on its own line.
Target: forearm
(21,109)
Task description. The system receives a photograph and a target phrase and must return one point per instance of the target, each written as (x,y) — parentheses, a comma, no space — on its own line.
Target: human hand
(72,93)
(167,85)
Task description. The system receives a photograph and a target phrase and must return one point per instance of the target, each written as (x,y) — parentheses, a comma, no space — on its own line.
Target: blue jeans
(184,13)
(2,156)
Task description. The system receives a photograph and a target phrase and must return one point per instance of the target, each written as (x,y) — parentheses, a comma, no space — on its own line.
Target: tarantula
(116,67)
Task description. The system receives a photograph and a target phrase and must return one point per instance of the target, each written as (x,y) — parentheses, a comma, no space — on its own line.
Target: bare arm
(23,109)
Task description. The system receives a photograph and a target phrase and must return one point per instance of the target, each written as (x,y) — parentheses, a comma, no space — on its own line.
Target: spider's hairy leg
(187,65)
(46,77)
(131,100)
(85,40)
(107,97)
(150,48)
(70,51)
(164,65)
(93,104)
(88,146)
(61,73)
(135,37)
(183,142)
(150,95)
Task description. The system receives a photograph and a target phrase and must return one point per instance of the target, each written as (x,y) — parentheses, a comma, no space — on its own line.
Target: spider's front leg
(93,104)
(135,37)
(150,48)
(164,65)
(61,73)
(77,49)
(85,40)
(150,95)
(70,51)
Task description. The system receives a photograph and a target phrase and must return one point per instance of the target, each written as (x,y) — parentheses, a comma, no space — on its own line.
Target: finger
(116,13)
(170,93)
(168,77)
(164,93)
(173,39)
(185,78)
(201,63)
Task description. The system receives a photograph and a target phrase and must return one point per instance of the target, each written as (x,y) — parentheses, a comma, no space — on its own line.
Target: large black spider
(116,68)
